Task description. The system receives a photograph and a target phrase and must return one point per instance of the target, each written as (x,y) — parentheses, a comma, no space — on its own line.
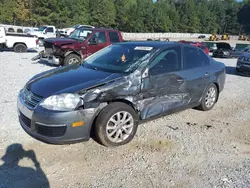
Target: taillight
(36,41)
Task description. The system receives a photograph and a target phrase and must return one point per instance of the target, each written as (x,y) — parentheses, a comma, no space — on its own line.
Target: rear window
(191,59)
(50,30)
(114,37)
(203,57)
(223,46)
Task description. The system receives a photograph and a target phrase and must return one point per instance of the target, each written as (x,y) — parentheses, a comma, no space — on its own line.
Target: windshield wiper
(89,66)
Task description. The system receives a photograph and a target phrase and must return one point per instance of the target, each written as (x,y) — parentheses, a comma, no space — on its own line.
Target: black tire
(203,106)
(237,71)
(103,118)
(71,58)
(20,48)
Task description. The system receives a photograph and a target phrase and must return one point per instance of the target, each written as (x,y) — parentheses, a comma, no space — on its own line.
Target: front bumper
(55,127)
(47,58)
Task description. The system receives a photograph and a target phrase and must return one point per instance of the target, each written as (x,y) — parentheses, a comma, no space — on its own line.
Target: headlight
(241,58)
(226,53)
(63,102)
(247,59)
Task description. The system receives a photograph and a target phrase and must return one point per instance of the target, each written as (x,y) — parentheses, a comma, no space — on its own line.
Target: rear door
(97,42)
(164,89)
(196,72)
(113,37)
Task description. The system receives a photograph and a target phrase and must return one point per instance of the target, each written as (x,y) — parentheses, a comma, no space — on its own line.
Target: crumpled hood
(60,41)
(69,79)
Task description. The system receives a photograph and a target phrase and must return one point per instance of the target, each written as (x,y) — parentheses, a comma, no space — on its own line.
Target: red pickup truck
(79,45)
(201,45)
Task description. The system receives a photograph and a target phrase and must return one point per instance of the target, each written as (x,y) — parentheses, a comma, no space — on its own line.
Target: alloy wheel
(210,97)
(119,126)
(73,61)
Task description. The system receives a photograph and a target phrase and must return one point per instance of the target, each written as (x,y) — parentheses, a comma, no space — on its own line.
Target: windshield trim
(129,70)
(78,36)
(44,27)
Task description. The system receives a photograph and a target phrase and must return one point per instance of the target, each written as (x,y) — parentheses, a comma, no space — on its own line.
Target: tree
(189,16)
(22,11)
(102,13)
(6,11)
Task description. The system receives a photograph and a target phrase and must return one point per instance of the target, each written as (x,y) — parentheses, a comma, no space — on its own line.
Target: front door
(164,89)
(97,42)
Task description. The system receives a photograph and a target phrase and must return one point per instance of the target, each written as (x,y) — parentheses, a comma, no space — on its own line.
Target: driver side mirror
(233,48)
(45,31)
(145,73)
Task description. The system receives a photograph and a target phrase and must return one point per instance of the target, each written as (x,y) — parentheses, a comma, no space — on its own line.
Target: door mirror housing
(233,48)
(145,73)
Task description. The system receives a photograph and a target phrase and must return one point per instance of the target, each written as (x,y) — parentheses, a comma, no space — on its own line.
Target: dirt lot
(188,149)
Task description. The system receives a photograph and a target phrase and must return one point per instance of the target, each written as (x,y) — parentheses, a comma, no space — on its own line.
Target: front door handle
(206,74)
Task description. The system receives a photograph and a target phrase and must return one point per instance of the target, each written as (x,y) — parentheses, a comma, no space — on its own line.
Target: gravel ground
(187,149)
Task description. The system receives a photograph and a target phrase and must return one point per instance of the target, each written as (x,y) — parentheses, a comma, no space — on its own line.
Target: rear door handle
(180,80)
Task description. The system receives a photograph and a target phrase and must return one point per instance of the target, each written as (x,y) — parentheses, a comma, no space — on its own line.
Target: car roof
(154,44)
(97,29)
(222,43)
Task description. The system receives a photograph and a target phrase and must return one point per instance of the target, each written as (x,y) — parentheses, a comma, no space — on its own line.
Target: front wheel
(209,98)
(116,124)
(71,59)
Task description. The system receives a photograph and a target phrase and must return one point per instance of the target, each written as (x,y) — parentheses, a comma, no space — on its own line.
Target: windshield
(76,26)
(80,34)
(118,58)
(42,28)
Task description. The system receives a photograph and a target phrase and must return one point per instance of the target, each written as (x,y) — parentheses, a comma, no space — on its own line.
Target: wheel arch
(125,101)
(218,90)
(16,43)
(72,52)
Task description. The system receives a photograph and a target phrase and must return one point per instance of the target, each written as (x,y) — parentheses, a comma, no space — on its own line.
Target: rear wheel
(71,59)
(19,48)
(116,124)
(209,98)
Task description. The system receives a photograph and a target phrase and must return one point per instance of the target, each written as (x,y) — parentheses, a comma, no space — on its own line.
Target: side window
(167,61)
(220,45)
(192,58)
(114,38)
(50,30)
(227,46)
(205,60)
(100,37)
